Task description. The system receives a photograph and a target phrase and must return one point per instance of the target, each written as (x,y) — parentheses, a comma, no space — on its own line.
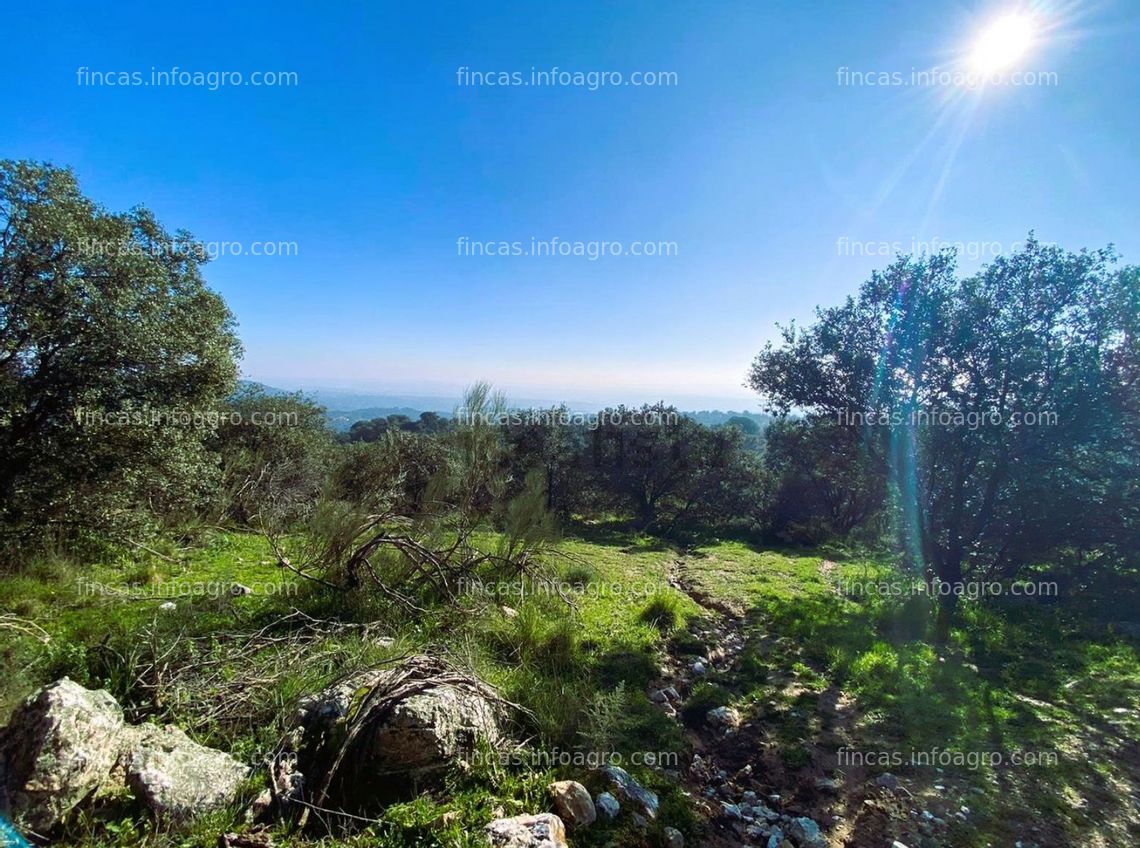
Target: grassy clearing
(576,650)
(1024,681)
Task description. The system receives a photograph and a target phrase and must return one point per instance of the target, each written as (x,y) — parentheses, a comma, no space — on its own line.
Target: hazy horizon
(443,396)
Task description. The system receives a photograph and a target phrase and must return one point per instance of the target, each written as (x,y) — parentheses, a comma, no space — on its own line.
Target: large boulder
(541,831)
(65,745)
(573,803)
(58,749)
(391,724)
(175,776)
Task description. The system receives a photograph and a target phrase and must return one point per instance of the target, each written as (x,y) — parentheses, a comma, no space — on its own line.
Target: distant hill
(344,407)
(715,417)
(342,420)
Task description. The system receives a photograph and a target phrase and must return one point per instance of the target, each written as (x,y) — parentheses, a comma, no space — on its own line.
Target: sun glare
(1002,43)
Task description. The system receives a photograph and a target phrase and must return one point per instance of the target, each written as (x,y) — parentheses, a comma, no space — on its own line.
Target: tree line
(902,416)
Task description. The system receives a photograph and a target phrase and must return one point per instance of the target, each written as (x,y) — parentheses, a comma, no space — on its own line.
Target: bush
(663,611)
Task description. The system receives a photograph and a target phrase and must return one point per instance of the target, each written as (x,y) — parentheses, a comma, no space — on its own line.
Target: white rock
(542,831)
(175,776)
(572,803)
(723,717)
(57,750)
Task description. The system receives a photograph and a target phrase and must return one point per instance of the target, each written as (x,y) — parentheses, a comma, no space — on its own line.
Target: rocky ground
(735,778)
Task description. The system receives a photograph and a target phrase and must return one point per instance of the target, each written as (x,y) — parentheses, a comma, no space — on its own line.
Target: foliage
(374,429)
(110,344)
(668,470)
(275,452)
(1002,403)
(826,483)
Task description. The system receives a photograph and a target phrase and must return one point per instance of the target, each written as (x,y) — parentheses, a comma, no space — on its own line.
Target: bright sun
(1002,43)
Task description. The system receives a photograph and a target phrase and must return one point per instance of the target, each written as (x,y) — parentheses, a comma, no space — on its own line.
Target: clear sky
(762,149)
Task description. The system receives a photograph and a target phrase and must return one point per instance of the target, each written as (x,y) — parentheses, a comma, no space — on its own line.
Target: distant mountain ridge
(343,407)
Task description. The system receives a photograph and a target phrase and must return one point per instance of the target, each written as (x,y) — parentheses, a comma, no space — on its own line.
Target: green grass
(579,657)
(575,651)
(1025,679)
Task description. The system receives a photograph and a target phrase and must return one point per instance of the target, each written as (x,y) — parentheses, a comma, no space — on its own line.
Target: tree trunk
(949,571)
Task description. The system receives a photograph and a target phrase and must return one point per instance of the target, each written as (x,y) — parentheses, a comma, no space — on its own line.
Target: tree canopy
(1002,404)
(109,337)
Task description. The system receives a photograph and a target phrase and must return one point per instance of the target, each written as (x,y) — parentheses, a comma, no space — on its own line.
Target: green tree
(109,342)
(999,402)
(667,469)
(551,441)
(825,481)
(367,431)
(275,451)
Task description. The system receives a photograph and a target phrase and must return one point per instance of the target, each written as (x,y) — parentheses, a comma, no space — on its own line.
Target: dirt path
(767,772)
(730,777)
(739,778)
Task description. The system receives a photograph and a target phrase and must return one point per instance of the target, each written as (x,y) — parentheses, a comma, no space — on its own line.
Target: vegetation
(210,569)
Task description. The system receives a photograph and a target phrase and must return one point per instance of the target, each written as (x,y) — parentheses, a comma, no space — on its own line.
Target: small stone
(631,791)
(827,784)
(775,838)
(727,717)
(806,833)
(240,589)
(697,668)
(658,697)
(572,803)
(674,838)
(259,806)
(887,780)
(542,831)
(607,805)
(509,612)
(168,606)
(770,816)
(731,810)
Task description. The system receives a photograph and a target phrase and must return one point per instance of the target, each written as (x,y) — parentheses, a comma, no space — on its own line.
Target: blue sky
(755,164)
